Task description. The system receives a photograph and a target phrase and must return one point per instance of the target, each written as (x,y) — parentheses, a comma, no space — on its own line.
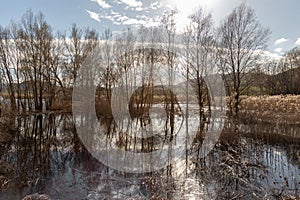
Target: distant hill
(287,82)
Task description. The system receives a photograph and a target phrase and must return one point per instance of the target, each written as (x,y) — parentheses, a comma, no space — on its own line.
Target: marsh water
(48,157)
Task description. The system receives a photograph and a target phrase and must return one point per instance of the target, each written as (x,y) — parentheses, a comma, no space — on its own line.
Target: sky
(280,16)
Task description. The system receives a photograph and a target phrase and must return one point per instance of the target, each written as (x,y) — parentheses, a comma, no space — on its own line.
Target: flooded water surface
(47,157)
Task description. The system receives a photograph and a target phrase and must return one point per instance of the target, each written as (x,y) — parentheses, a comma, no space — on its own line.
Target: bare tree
(80,43)
(289,76)
(169,31)
(55,71)
(199,43)
(34,38)
(109,75)
(7,63)
(241,38)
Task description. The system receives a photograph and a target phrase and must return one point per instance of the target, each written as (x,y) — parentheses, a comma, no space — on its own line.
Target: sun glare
(187,7)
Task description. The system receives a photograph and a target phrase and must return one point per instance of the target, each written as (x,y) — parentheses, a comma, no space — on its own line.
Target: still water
(47,157)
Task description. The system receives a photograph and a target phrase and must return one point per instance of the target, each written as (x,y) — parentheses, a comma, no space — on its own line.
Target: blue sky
(281,16)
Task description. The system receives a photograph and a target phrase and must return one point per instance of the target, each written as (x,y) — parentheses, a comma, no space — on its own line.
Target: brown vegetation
(103,108)
(64,105)
(7,125)
(280,108)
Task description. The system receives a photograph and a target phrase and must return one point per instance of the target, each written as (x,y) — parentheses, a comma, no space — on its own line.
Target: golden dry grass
(279,108)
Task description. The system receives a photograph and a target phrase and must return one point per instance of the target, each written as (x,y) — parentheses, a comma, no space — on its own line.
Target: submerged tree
(34,36)
(199,43)
(241,40)
(7,66)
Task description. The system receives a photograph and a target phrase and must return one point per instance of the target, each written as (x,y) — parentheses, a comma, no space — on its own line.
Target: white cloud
(280,41)
(278,50)
(134,21)
(269,57)
(132,3)
(102,3)
(115,17)
(122,18)
(297,43)
(94,15)
(142,17)
(147,22)
(139,8)
(114,13)
(156,5)
(272,56)
(109,17)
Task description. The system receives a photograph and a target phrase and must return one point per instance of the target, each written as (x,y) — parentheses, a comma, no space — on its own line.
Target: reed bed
(279,108)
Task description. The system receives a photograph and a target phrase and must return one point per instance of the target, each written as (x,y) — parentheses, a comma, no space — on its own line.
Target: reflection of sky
(73,174)
(281,172)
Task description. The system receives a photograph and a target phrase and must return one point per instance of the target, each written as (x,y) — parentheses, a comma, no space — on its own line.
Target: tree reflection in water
(47,157)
